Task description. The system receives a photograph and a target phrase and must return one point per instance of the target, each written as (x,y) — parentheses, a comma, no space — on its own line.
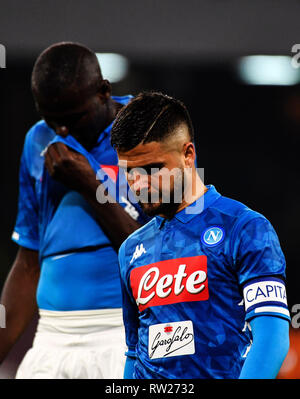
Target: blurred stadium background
(246,111)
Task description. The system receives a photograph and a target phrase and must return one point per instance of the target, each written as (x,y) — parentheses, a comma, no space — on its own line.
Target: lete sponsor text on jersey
(170,281)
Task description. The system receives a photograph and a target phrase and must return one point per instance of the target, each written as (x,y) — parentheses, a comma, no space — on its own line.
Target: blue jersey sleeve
(261,269)
(130,310)
(26,231)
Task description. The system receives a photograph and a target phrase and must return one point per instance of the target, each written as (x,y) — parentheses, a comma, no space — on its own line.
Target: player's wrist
(88,185)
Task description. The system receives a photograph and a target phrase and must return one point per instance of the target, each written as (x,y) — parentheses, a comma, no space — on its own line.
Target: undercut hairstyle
(150,116)
(65,66)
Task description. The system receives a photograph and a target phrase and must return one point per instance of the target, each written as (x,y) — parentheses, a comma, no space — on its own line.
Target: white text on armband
(269,291)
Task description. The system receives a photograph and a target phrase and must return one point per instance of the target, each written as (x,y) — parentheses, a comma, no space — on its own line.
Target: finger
(53,159)
(49,163)
(66,153)
(53,153)
(62,150)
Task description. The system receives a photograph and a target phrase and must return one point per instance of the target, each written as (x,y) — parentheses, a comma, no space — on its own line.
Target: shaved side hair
(150,116)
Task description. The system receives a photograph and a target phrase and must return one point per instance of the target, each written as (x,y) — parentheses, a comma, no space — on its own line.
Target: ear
(189,153)
(37,107)
(105,89)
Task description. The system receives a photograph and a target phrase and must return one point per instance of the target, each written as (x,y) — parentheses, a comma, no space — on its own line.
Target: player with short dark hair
(67,263)
(152,119)
(203,282)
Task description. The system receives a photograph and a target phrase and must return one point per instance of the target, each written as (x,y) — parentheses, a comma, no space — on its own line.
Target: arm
(129,368)
(269,348)
(130,318)
(114,220)
(74,170)
(261,272)
(18,298)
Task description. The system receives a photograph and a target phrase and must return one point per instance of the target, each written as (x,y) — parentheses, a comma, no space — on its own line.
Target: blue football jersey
(79,267)
(191,284)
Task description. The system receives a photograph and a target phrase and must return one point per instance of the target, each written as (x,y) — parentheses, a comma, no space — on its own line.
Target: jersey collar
(202,203)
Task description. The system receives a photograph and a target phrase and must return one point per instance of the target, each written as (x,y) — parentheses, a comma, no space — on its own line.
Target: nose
(139,182)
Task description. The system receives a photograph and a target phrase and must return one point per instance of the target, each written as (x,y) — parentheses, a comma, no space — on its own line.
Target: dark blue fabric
(239,245)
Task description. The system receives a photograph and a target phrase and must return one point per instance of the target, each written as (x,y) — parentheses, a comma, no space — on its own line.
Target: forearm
(75,172)
(19,298)
(269,348)
(114,220)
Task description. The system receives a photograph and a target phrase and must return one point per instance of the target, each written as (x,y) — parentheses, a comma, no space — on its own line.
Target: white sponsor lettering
(143,285)
(164,284)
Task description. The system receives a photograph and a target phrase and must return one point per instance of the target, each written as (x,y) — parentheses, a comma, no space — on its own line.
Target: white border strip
(276,309)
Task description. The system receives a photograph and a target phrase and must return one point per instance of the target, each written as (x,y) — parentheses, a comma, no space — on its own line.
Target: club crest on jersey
(213,236)
(139,251)
(170,281)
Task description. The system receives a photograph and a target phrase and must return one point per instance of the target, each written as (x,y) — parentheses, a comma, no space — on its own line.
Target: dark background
(247,137)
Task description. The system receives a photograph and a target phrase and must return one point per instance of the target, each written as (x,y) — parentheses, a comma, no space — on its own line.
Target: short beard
(167,209)
(160,208)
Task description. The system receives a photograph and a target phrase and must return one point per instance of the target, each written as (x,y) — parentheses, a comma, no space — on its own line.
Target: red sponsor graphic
(170,281)
(168,329)
(111,171)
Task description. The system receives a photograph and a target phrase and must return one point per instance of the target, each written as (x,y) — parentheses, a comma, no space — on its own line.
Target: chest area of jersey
(170,281)
(174,268)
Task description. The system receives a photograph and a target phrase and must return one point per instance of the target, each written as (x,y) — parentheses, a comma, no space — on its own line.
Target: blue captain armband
(265,296)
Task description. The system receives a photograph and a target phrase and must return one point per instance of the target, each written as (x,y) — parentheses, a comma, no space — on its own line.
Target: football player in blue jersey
(67,264)
(203,282)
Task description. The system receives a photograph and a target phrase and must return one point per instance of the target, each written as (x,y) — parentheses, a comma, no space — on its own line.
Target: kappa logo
(213,236)
(139,251)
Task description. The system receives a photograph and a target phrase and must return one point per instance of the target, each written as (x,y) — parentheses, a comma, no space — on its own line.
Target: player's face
(155,174)
(83,120)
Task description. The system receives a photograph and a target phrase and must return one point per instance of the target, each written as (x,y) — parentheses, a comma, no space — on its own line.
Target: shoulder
(39,135)
(36,140)
(137,237)
(236,212)
(239,221)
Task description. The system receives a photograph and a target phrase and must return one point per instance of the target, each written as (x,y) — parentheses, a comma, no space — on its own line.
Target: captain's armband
(265,296)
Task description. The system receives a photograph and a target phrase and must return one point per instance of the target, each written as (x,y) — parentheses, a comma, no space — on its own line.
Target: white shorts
(76,345)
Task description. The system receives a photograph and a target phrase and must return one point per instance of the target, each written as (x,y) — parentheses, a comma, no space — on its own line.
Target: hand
(69,167)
